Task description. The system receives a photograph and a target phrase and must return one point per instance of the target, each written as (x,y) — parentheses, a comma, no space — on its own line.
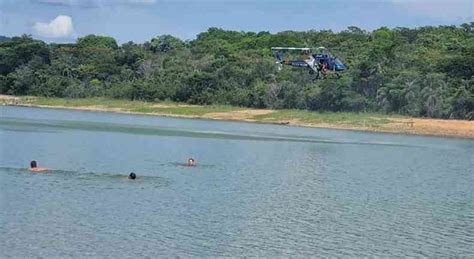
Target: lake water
(258,190)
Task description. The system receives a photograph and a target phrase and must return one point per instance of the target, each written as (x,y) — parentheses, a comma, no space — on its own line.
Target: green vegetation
(423,72)
(108,104)
(364,119)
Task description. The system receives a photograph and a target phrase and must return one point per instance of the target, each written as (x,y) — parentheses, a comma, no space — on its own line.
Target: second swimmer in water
(191,162)
(132,176)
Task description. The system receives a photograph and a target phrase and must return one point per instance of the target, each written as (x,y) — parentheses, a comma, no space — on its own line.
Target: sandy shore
(417,126)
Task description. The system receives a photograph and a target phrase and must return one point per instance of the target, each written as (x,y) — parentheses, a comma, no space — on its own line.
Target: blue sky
(141,20)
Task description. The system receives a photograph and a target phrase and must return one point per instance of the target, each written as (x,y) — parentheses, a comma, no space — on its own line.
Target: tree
(27,76)
(19,51)
(165,43)
(74,89)
(432,94)
(97,42)
(425,71)
(463,100)
(401,94)
(458,63)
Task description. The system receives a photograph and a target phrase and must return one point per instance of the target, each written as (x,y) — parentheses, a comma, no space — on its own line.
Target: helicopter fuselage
(331,63)
(320,64)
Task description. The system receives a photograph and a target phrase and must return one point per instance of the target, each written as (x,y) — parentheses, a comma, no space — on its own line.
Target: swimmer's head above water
(132,176)
(34,167)
(191,162)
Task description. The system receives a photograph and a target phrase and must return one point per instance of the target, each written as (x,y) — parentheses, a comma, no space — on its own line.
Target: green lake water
(258,190)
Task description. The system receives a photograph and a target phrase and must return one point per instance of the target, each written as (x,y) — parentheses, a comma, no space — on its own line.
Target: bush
(95,88)
(313,97)
(75,90)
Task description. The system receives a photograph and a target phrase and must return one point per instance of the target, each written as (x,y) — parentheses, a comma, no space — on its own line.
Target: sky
(141,20)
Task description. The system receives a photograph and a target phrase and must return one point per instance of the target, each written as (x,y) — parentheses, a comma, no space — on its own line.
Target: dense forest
(425,72)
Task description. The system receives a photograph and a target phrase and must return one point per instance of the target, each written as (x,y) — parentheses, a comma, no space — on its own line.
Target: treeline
(426,71)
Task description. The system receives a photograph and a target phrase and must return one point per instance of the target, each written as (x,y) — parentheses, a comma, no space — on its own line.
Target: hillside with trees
(3,38)
(422,72)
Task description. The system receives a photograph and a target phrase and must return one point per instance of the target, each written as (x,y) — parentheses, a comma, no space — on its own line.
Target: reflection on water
(100,178)
(47,125)
(257,190)
(186,165)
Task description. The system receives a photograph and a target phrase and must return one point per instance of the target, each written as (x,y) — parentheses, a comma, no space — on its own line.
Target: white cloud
(448,10)
(58,2)
(140,1)
(95,3)
(60,27)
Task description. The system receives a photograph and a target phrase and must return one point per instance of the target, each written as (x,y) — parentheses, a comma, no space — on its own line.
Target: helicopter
(320,65)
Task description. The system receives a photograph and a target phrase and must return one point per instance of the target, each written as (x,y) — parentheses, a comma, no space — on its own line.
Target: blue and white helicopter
(320,65)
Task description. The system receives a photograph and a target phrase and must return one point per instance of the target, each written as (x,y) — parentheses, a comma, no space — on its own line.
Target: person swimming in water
(132,176)
(191,162)
(34,167)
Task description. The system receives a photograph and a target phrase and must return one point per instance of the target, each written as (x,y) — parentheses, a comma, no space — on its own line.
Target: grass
(177,109)
(168,108)
(337,118)
(86,102)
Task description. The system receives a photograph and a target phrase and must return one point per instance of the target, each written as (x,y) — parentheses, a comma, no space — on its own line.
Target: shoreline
(366,122)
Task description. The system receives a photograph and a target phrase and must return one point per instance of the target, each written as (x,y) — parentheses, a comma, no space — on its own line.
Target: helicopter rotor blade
(290,48)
